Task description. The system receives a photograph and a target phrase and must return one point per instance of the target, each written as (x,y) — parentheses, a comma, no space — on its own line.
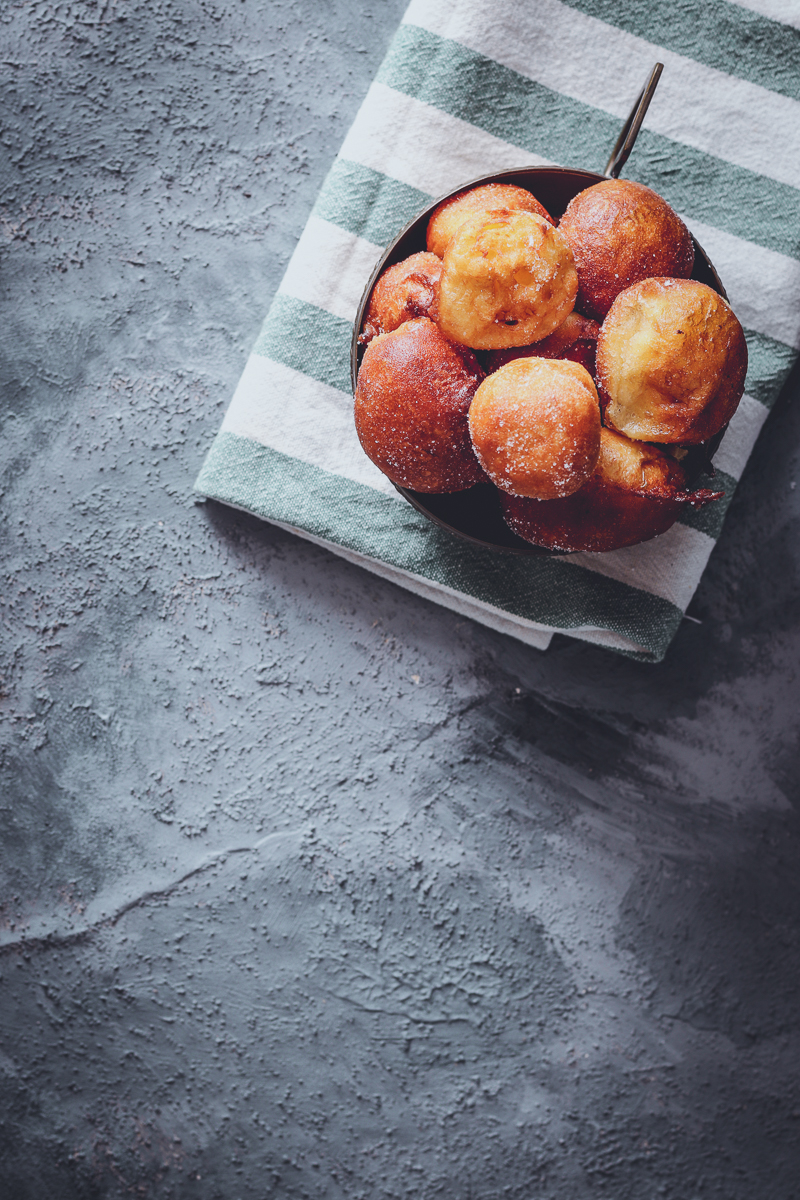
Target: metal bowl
(475,514)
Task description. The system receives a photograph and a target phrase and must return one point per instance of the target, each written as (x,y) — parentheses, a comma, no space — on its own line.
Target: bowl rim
(516,545)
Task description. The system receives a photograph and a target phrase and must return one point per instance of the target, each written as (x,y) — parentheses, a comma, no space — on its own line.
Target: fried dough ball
(412,397)
(450,213)
(635,493)
(508,280)
(637,466)
(535,427)
(408,289)
(671,362)
(621,232)
(575,339)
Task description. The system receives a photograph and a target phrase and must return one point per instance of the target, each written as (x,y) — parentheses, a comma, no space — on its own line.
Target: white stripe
(424,147)
(785,11)
(300,417)
(530,632)
(740,436)
(290,412)
(429,150)
(763,286)
(601,65)
(330,268)
(668,566)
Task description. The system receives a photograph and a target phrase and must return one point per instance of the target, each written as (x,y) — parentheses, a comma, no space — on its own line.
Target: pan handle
(630,130)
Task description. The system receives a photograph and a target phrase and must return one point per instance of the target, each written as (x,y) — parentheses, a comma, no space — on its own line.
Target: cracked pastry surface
(406,290)
(450,214)
(671,362)
(508,279)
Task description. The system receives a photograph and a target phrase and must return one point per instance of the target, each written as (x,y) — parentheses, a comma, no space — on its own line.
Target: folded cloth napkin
(470,87)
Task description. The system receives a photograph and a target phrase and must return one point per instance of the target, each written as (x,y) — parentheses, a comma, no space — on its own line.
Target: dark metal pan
(475,514)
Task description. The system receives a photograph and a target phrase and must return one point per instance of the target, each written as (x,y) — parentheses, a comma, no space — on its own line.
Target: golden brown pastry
(635,492)
(535,427)
(408,289)
(621,232)
(490,196)
(575,339)
(671,362)
(508,280)
(412,397)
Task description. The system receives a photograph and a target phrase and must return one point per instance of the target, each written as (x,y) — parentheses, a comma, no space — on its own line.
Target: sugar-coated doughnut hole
(635,493)
(620,232)
(412,398)
(406,290)
(535,426)
(575,339)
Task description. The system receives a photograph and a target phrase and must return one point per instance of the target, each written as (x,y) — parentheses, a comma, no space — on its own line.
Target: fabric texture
(470,87)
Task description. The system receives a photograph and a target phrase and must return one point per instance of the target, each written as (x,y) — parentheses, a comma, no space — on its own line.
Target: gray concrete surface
(310,889)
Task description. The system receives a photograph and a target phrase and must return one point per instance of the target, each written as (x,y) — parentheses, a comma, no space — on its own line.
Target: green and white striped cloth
(470,87)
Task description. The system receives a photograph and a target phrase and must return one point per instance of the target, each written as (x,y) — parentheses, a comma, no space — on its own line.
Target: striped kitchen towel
(470,87)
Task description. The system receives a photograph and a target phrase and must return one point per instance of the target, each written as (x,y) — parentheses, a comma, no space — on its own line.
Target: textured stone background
(310,889)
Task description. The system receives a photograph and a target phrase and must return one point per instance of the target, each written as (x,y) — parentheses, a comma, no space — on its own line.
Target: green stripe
(768,366)
(476,89)
(721,35)
(374,206)
(307,338)
(317,343)
(313,341)
(543,589)
(709,519)
(365,202)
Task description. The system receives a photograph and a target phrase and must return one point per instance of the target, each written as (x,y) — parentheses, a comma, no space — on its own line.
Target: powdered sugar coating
(535,426)
(620,232)
(412,398)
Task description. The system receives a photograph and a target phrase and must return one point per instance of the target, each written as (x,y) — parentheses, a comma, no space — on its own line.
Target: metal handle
(630,130)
